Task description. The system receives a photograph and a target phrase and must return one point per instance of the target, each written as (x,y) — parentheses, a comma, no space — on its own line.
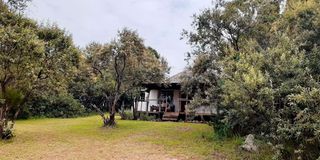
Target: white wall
(153,97)
(142,106)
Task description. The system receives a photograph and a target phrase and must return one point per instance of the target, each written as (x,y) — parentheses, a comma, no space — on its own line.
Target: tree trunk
(122,112)
(101,114)
(1,131)
(135,117)
(4,119)
(2,110)
(111,122)
(1,124)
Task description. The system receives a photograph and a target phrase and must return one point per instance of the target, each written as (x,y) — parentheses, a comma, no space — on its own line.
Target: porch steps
(170,116)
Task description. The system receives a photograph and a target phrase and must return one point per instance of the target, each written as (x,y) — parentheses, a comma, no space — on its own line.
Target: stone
(249,144)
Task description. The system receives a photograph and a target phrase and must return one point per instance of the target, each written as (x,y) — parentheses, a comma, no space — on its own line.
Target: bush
(221,129)
(299,137)
(127,115)
(268,81)
(65,107)
(60,106)
(146,117)
(7,131)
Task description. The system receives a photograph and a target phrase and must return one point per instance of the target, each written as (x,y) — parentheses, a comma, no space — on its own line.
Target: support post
(186,108)
(147,101)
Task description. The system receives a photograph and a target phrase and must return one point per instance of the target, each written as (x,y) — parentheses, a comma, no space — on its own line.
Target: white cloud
(159,22)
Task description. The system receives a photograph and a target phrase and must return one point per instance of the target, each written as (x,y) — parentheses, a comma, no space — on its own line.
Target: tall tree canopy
(256,62)
(42,72)
(32,58)
(125,64)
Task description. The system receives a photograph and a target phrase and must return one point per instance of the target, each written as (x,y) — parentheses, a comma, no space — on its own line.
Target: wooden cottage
(168,102)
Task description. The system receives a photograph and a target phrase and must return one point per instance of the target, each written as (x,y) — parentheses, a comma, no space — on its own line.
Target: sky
(158,22)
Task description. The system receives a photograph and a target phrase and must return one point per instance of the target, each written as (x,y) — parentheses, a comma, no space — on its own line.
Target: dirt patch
(219,156)
(120,150)
(90,148)
(183,128)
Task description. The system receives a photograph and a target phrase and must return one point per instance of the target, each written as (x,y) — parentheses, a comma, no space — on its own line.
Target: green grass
(84,138)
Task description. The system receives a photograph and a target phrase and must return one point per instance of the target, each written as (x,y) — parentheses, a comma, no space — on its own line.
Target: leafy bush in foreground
(258,64)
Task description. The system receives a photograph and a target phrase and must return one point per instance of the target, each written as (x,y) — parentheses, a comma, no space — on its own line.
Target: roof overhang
(159,86)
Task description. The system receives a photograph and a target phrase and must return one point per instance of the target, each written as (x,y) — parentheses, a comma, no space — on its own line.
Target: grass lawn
(84,138)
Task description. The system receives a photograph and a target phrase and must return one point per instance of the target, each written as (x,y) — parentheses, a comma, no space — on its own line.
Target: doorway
(166,100)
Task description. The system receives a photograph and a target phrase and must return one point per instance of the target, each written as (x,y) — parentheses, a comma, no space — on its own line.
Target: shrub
(60,106)
(221,129)
(65,107)
(146,117)
(298,137)
(267,83)
(127,115)
(7,132)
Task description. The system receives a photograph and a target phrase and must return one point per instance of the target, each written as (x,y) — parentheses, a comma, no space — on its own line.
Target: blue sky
(158,22)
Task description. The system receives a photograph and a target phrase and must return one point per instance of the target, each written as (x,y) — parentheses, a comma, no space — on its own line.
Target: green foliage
(260,69)
(304,129)
(42,73)
(12,97)
(66,107)
(119,68)
(221,130)
(146,117)
(34,59)
(127,115)
(58,106)
(7,133)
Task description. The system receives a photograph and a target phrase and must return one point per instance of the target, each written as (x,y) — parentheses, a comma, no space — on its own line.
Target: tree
(257,65)
(32,58)
(125,64)
(220,31)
